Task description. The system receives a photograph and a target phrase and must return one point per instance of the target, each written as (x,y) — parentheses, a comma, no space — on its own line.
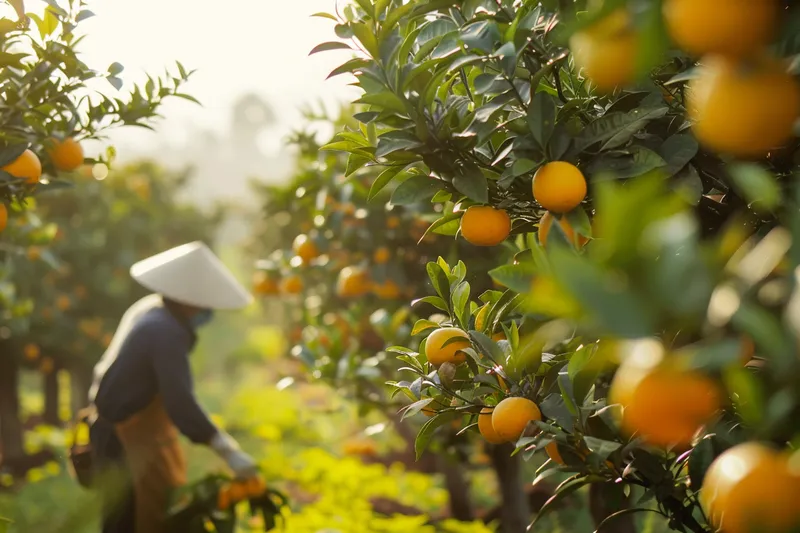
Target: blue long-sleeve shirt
(151,359)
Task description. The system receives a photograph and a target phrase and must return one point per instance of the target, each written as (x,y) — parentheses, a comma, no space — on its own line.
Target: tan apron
(156,462)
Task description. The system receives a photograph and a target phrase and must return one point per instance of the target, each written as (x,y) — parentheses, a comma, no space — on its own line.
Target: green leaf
(639,161)
(460,300)
(606,524)
(425,434)
(480,35)
(325,16)
(331,45)
(395,141)
(517,277)
(114,69)
(756,184)
(602,448)
(439,280)
(615,129)
(423,325)
(383,179)
(542,118)
(700,459)
(747,393)
(443,221)
(472,183)
(415,189)
(349,66)
(677,151)
(435,301)
(11,153)
(387,100)
(554,408)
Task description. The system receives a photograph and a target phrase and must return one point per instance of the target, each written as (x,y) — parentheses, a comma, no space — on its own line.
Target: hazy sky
(236,45)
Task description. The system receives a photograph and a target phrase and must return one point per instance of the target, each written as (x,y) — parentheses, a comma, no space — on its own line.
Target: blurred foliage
(80,279)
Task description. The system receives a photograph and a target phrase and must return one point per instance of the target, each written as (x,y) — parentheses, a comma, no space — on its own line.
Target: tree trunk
(606,499)
(51,397)
(11,448)
(515,513)
(457,486)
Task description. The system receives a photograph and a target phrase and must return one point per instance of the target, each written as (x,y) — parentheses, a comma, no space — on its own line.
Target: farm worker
(143,395)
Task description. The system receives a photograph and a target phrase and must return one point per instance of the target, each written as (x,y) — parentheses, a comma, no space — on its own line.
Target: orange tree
(617,139)
(103,227)
(49,109)
(345,263)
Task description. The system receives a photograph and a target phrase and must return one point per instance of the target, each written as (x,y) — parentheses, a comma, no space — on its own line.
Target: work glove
(228,449)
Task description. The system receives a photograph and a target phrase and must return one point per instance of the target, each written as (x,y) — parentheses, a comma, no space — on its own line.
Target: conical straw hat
(191,274)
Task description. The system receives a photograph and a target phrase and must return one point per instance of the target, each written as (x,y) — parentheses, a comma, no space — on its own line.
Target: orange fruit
(353,282)
(730,27)
(662,403)
(553,453)
(486,429)
(744,110)
(499,336)
(485,225)
(305,248)
(238,491)
(27,166)
(381,255)
(291,285)
(47,365)
(606,51)
(66,155)
(63,302)
(393,222)
(223,499)
(559,186)
(752,487)
(546,223)
(31,352)
(437,353)
(3,216)
(388,290)
(263,284)
(511,417)
(255,486)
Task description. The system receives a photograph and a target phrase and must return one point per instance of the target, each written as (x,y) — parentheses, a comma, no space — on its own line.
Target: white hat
(191,274)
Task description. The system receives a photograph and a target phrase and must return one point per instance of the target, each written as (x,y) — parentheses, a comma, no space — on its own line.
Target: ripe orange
(547,222)
(305,248)
(485,225)
(731,27)
(291,285)
(353,282)
(606,51)
(381,255)
(437,353)
(238,491)
(388,290)
(263,284)
(752,487)
(553,453)
(47,365)
(511,417)
(3,217)
(27,166)
(63,302)
(67,155)
(499,336)
(255,486)
(663,403)
(31,352)
(486,429)
(743,110)
(559,186)
(223,499)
